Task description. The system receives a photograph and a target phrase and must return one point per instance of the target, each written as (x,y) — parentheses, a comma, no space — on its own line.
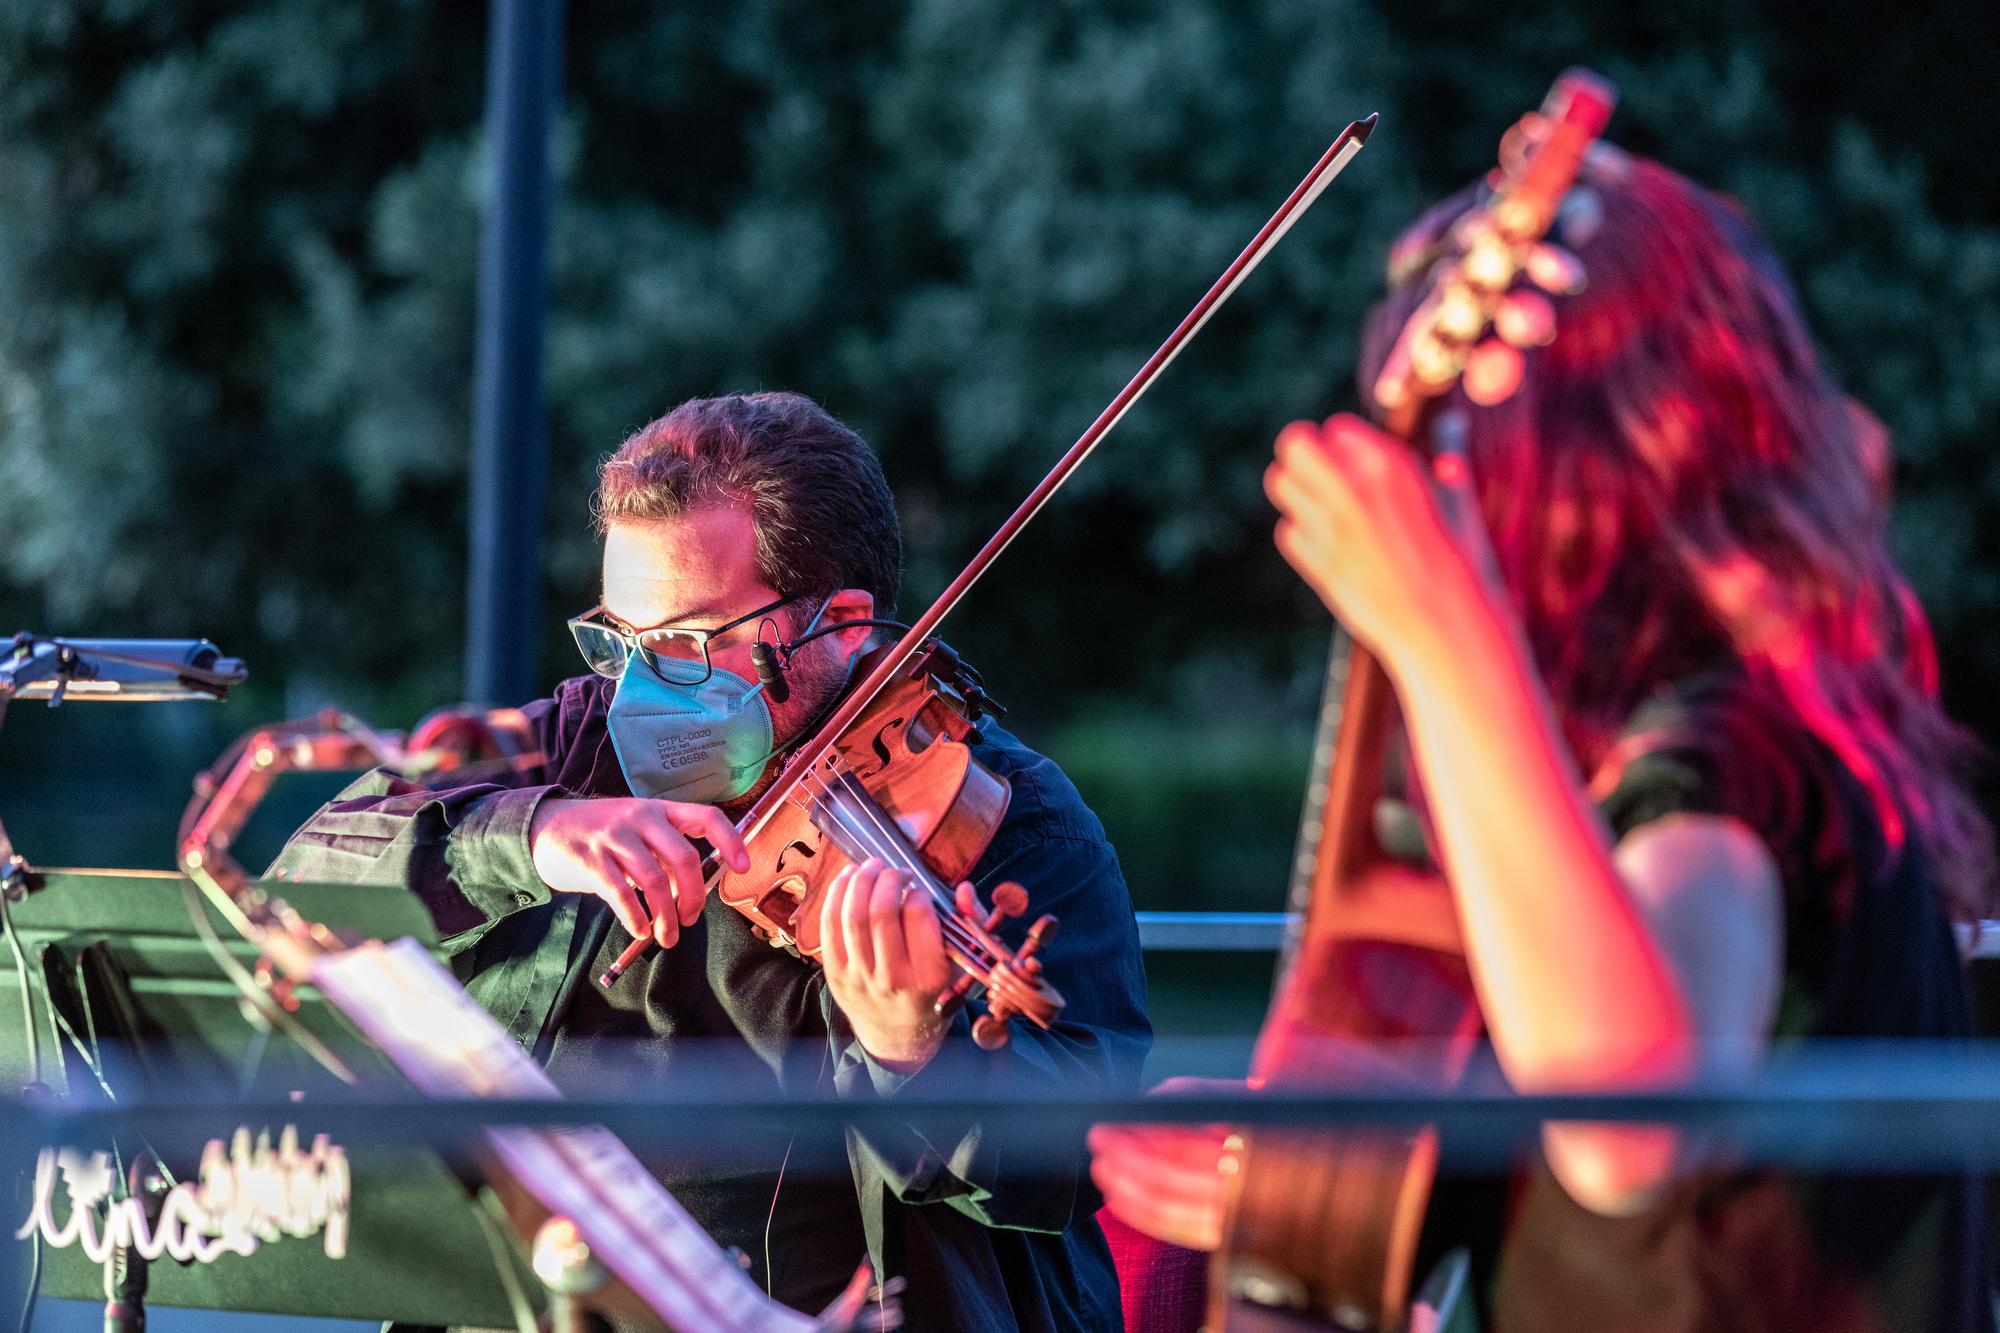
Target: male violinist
(728,522)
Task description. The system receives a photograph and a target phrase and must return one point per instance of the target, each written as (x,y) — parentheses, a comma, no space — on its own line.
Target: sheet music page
(445,1044)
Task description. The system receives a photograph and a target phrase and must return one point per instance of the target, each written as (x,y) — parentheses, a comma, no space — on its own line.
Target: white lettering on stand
(245,1194)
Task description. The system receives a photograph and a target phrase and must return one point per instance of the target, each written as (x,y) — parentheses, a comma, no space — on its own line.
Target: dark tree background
(237,255)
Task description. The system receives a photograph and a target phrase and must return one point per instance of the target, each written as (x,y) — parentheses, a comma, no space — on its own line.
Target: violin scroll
(1013,982)
(1015,988)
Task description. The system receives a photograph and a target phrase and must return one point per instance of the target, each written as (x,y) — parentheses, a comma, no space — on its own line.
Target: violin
(1327,1227)
(900,784)
(888,774)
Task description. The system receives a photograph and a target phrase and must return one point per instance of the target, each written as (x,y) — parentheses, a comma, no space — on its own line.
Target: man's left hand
(885,961)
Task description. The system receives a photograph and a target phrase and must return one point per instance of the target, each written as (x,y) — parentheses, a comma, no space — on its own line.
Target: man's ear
(849,604)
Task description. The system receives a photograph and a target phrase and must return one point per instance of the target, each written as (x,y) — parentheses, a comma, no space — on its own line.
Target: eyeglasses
(677,656)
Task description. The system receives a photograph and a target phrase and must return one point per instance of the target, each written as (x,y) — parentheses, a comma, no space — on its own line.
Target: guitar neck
(1337,838)
(1312,816)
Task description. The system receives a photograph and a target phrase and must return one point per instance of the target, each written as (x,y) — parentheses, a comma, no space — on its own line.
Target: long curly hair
(1678,484)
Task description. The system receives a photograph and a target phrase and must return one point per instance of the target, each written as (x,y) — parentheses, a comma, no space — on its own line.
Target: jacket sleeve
(462,850)
(1096,1046)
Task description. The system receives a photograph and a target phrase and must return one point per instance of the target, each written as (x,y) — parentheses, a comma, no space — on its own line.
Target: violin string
(873,837)
(890,836)
(879,839)
(949,921)
(887,841)
(882,842)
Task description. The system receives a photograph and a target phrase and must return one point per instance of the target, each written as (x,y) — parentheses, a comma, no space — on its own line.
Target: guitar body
(1329,1223)
(1323,1227)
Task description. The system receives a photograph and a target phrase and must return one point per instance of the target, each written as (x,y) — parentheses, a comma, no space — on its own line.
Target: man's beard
(816,681)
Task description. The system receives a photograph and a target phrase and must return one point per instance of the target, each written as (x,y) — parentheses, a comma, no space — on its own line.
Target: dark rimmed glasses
(677,656)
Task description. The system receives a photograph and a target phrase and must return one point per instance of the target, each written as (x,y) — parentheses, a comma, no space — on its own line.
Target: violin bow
(1303,197)
(808,756)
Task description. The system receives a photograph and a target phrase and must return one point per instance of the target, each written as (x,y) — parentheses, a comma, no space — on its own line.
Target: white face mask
(705,743)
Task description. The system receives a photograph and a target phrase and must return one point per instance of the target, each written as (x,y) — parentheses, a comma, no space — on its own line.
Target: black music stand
(114,953)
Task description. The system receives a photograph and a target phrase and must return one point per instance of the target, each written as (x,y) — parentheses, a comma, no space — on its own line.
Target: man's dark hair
(823,513)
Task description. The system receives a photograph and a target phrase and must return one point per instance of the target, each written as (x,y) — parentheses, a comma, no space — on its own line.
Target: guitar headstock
(1472,327)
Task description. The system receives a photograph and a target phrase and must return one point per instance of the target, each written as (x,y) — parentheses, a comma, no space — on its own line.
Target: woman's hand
(1166,1180)
(1396,550)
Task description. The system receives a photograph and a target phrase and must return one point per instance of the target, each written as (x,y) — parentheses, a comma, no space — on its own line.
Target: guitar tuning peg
(1526,319)
(1493,371)
(1555,270)
(1489,263)
(1458,312)
(1435,362)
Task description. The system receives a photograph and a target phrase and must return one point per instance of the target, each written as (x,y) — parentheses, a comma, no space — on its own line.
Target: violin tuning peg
(1555,270)
(1489,263)
(1580,215)
(1009,901)
(952,996)
(1391,386)
(989,1032)
(1609,161)
(1041,933)
(1458,312)
(1434,361)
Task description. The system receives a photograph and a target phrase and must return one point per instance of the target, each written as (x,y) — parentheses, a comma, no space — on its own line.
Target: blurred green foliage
(237,258)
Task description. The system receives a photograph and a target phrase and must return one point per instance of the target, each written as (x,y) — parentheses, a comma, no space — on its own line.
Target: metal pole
(509,461)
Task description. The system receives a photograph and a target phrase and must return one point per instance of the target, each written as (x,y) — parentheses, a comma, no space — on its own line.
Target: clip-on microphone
(771,659)
(771,669)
